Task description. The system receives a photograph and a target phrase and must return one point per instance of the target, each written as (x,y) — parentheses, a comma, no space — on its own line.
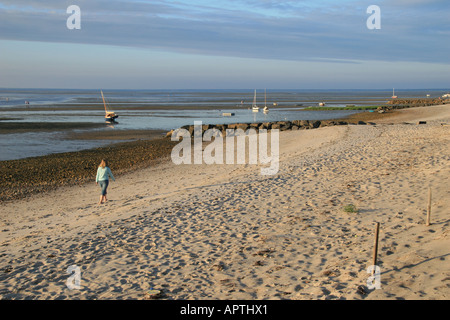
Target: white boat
(255,108)
(393,94)
(109,116)
(446,96)
(266,109)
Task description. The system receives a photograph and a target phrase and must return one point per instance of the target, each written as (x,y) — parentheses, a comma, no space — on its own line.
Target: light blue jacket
(104,174)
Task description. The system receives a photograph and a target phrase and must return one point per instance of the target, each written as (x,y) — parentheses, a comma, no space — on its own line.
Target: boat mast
(104,103)
(265,98)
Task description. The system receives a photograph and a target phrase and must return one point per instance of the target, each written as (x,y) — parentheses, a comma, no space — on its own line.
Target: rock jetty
(396,104)
(280,125)
(417,102)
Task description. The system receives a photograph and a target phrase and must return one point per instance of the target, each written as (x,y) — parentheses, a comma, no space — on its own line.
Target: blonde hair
(104,163)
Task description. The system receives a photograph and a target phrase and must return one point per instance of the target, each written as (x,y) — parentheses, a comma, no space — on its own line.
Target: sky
(212,44)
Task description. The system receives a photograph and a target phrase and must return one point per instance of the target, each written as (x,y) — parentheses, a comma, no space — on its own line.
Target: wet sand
(118,135)
(21,127)
(136,106)
(226,232)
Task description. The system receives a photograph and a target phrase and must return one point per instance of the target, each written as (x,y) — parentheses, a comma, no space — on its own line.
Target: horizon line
(210,89)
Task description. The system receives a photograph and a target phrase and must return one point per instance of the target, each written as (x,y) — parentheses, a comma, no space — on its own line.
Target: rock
(361,290)
(266,125)
(315,124)
(326,123)
(153,294)
(304,123)
(242,126)
(284,125)
(275,126)
(219,266)
(216,132)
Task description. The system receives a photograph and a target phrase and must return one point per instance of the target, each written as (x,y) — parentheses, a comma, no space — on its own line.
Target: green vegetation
(350,208)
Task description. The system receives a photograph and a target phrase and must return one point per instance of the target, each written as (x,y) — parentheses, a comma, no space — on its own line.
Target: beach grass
(350,208)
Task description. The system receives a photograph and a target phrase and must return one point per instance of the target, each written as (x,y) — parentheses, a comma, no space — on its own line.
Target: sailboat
(393,94)
(266,109)
(255,108)
(109,116)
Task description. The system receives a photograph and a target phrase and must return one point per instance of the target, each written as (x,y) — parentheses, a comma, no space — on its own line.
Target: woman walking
(103,175)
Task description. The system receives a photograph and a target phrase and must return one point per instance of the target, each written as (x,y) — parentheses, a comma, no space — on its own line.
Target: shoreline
(226,232)
(21,127)
(37,175)
(16,173)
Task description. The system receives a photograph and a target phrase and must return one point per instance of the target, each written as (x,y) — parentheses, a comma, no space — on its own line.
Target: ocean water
(164,110)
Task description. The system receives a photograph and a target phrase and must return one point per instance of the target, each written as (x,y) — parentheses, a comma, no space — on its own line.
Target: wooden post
(429,207)
(375,247)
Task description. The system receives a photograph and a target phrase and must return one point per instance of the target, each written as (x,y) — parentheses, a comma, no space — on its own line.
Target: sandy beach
(228,232)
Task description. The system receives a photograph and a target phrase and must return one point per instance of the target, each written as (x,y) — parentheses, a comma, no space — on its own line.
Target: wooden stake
(375,247)
(429,207)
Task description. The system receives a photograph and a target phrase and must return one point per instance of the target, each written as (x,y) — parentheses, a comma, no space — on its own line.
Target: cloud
(269,29)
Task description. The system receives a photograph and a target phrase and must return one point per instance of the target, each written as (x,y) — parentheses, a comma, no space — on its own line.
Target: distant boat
(322,104)
(255,108)
(109,116)
(266,109)
(393,94)
(445,96)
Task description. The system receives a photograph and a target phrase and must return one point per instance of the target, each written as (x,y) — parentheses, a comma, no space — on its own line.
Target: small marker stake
(429,207)
(375,247)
